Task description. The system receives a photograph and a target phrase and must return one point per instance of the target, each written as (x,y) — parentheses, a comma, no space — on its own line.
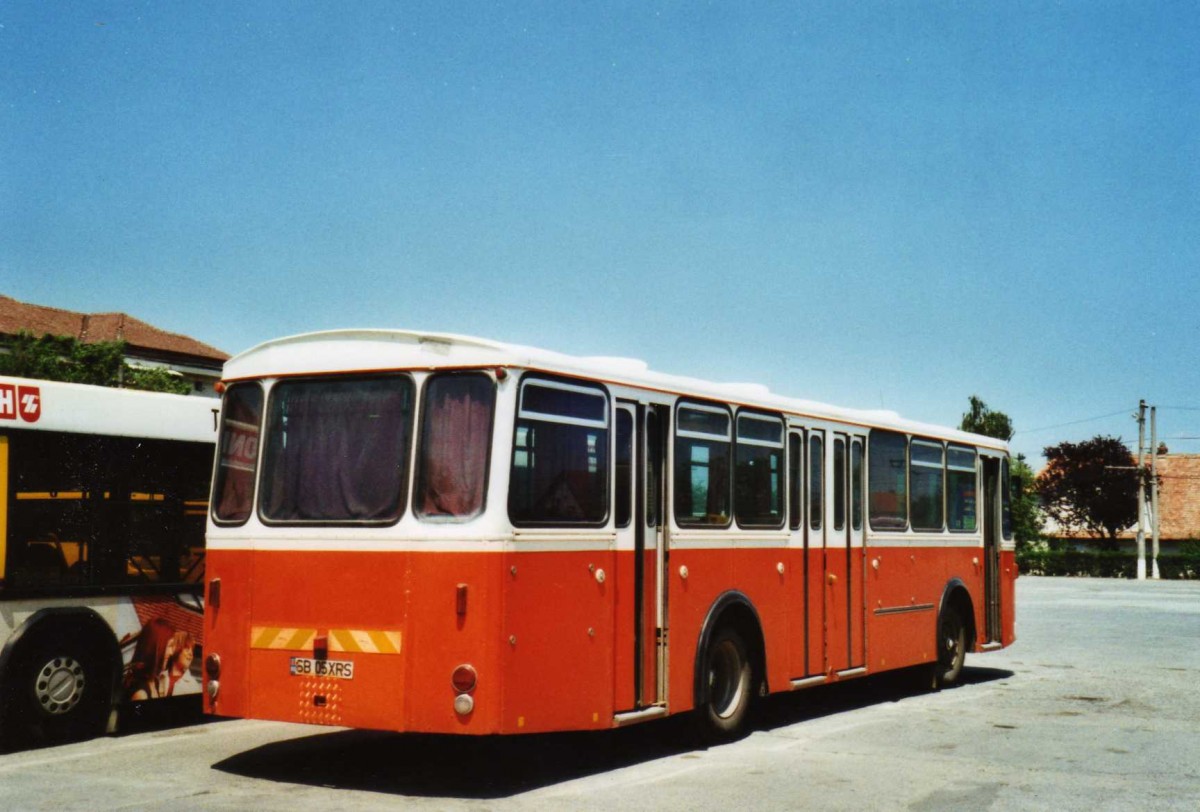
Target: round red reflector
(212,666)
(464,678)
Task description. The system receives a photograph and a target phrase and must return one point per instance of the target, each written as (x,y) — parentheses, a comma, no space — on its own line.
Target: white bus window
(887,484)
(702,446)
(559,473)
(456,438)
(237,462)
(336,450)
(960,489)
(926,477)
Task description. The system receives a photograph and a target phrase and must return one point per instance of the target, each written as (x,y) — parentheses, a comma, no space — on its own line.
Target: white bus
(103,497)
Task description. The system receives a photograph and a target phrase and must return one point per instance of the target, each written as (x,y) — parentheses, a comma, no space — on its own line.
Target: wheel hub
(724,679)
(59,685)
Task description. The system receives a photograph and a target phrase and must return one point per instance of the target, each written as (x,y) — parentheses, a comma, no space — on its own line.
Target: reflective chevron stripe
(356,640)
(366,642)
(276,637)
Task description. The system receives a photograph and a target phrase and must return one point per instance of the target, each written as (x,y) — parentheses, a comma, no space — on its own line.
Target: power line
(1073,422)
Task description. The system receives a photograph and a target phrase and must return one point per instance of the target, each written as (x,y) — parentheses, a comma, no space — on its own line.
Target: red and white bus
(435,533)
(103,498)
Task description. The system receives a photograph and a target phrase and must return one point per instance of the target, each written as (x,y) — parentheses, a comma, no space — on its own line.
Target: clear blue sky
(869,203)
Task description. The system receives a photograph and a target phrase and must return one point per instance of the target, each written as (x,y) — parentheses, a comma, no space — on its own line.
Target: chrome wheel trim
(59,685)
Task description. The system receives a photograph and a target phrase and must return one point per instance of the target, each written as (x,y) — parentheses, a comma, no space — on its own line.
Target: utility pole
(1154,490)
(1141,497)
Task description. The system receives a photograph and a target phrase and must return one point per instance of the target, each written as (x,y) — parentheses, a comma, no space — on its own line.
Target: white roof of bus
(84,409)
(339,351)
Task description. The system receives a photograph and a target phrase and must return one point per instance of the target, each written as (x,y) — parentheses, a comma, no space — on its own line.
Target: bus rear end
(328,602)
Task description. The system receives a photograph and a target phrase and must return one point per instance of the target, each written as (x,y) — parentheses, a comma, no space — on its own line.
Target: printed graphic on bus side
(20,401)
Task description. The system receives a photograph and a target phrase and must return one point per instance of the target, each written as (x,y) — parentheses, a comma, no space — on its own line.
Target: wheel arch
(957,596)
(70,620)
(734,608)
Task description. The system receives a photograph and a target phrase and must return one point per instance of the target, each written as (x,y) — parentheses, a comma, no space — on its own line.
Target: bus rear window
(241,416)
(456,436)
(337,451)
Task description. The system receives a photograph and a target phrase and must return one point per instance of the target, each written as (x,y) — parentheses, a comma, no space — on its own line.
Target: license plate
(308,667)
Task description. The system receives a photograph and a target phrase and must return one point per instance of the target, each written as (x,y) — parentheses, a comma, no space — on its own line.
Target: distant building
(1178,507)
(147,346)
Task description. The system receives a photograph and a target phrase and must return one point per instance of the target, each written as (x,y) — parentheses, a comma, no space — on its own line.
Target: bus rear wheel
(727,681)
(951,648)
(58,691)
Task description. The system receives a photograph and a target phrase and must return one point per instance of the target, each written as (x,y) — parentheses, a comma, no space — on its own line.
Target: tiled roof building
(1178,496)
(146,345)
(1178,505)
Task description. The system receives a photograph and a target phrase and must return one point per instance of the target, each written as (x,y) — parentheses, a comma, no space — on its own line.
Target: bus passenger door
(639,640)
(814,555)
(857,560)
(992,483)
(837,561)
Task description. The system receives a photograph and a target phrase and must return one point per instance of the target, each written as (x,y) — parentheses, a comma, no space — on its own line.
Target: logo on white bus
(24,402)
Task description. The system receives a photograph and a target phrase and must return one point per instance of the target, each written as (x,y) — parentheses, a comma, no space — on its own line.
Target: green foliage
(1104,563)
(156,380)
(1084,563)
(62,358)
(1091,485)
(1027,516)
(979,419)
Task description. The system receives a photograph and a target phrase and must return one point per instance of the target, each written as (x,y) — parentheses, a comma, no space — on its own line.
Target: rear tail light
(464,679)
(212,666)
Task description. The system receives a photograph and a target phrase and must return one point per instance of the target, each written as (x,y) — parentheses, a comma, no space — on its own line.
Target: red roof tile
(91,328)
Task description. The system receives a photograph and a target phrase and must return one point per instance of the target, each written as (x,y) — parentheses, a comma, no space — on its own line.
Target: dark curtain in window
(456,433)
(337,450)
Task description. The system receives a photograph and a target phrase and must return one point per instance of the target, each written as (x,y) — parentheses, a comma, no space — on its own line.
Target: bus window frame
(780,446)
(567,384)
(974,452)
(711,407)
(940,468)
(262,407)
(418,441)
(406,485)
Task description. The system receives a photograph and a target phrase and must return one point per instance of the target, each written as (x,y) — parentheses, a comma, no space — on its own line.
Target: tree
(102,363)
(982,420)
(1027,516)
(1091,485)
(1026,505)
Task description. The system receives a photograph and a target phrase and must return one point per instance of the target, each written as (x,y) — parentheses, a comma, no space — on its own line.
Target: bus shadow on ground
(490,767)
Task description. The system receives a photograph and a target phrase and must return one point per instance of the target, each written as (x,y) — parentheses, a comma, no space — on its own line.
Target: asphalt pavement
(1096,707)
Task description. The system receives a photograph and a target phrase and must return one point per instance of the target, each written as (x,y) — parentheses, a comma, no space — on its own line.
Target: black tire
(727,681)
(951,648)
(58,689)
